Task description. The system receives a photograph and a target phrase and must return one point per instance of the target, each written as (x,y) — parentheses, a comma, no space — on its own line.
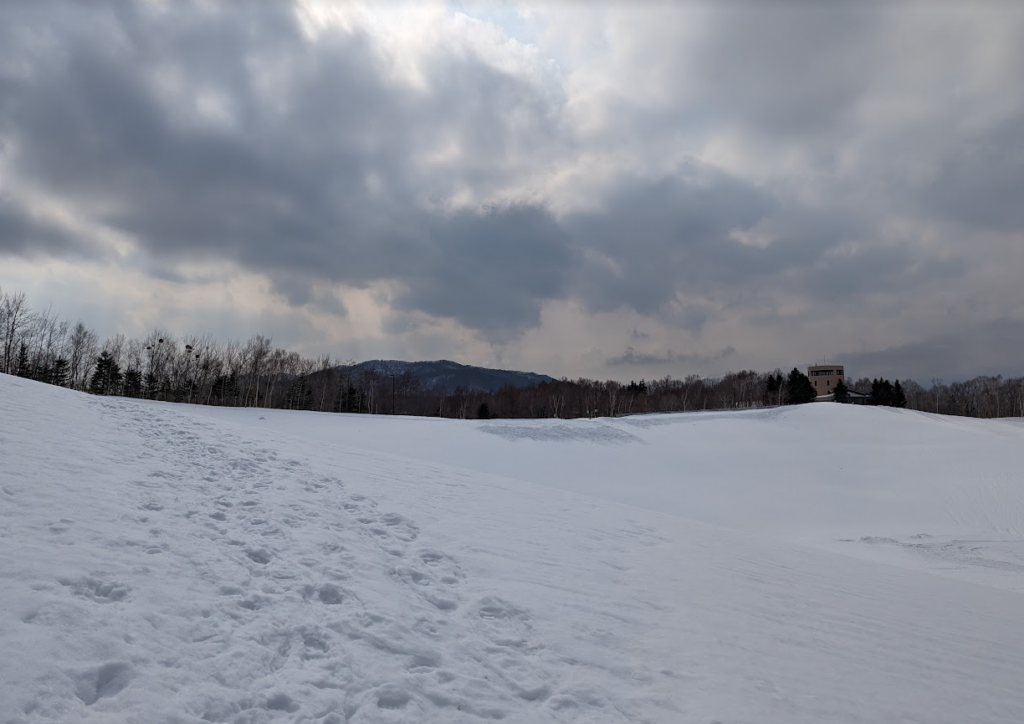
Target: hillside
(169,563)
(448,375)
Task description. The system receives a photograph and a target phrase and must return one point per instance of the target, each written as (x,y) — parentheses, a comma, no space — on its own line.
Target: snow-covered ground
(169,563)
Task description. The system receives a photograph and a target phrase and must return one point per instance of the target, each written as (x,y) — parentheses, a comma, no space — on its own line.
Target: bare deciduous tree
(15,316)
(82,351)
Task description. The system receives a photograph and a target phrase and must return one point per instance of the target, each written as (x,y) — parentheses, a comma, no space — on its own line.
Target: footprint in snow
(330,595)
(61,526)
(254,602)
(258,555)
(443,566)
(401,528)
(95,589)
(502,622)
(108,680)
(315,644)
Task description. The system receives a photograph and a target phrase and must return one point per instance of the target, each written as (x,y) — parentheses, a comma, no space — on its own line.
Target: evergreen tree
(217,389)
(224,390)
(774,387)
(349,399)
(151,386)
(41,373)
(636,389)
(799,388)
(22,368)
(106,379)
(882,393)
(97,382)
(59,373)
(840,393)
(300,395)
(483,412)
(132,383)
(899,399)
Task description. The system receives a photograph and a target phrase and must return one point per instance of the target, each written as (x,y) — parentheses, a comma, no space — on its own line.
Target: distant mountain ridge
(448,375)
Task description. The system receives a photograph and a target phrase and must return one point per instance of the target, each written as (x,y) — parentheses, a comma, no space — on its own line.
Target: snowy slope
(164,563)
(933,493)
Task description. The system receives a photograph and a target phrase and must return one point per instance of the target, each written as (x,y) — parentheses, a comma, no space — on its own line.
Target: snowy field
(170,563)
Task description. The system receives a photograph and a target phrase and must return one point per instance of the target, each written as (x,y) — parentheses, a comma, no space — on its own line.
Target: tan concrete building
(824,377)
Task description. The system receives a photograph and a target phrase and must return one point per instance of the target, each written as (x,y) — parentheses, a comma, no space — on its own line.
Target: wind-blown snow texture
(163,563)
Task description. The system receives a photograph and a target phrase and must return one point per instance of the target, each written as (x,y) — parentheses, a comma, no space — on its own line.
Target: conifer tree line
(197,369)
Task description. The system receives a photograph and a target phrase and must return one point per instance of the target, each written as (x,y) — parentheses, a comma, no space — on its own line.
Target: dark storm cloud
(280,190)
(654,239)
(315,179)
(680,235)
(491,269)
(673,249)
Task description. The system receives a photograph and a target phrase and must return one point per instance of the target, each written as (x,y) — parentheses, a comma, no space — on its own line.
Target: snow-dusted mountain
(448,375)
(181,564)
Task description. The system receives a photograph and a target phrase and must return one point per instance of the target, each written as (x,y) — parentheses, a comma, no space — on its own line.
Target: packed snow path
(161,564)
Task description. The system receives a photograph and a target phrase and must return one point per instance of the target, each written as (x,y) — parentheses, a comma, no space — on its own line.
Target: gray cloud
(669,357)
(788,68)
(23,235)
(677,236)
(221,132)
(656,238)
(284,190)
(491,271)
(979,180)
(838,277)
(288,192)
(992,348)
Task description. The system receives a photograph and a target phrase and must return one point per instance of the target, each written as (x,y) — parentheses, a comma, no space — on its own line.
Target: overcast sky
(602,191)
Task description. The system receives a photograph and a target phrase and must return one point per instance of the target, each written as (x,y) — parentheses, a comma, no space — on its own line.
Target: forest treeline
(198,369)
